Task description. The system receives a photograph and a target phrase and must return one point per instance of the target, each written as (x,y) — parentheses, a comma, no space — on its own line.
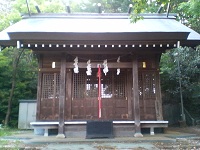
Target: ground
(174,138)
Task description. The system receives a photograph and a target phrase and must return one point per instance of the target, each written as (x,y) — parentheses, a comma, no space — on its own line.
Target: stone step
(79,131)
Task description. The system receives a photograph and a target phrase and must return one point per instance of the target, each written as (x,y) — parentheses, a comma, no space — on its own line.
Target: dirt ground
(187,138)
(182,142)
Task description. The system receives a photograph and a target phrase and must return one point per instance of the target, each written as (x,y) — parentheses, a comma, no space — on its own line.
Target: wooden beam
(102,50)
(136,104)
(67,43)
(100,36)
(61,126)
(70,65)
(94,65)
(52,70)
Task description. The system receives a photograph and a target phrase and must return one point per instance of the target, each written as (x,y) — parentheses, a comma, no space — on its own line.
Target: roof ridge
(98,15)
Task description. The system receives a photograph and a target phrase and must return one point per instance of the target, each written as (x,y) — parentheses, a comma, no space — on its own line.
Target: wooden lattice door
(84,100)
(49,96)
(113,95)
(147,93)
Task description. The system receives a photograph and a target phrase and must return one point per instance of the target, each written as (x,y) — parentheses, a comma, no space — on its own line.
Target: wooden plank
(100,42)
(101,36)
(136,104)
(85,122)
(49,70)
(61,119)
(117,51)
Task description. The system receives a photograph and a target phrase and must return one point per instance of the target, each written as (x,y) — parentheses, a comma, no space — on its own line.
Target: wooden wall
(114,108)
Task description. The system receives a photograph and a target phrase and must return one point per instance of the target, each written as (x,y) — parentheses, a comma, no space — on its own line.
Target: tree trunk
(14,74)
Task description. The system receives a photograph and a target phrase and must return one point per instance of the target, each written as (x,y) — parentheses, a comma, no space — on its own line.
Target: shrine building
(98,67)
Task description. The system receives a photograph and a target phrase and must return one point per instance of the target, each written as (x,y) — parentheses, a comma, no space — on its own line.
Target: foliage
(23,84)
(26,82)
(189,13)
(107,6)
(187,10)
(188,60)
(46,6)
(145,6)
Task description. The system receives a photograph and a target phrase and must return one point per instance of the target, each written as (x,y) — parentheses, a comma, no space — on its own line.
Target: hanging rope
(99,90)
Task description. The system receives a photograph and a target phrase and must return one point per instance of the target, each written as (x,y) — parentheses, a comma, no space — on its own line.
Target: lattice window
(79,80)
(119,85)
(92,86)
(140,84)
(106,85)
(149,85)
(50,85)
(112,85)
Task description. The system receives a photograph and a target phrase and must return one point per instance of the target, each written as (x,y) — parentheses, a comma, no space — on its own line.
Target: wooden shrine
(98,66)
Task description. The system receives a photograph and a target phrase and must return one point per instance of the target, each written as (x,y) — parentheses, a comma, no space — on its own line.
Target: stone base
(182,124)
(61,136)
(38,131)
(138,135)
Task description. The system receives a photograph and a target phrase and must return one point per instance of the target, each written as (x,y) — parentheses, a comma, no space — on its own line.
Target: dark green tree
(188,59)
(17,81)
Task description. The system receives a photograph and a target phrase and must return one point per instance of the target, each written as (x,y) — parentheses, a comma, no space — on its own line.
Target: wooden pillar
(68,105)
(136,104)
(129,93)
(61,125)
(158,102)
(39,85)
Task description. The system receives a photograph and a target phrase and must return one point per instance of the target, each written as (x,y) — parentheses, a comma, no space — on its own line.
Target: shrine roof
(72,27)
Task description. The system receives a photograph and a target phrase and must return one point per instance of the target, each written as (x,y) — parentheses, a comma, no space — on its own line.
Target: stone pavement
(172,139)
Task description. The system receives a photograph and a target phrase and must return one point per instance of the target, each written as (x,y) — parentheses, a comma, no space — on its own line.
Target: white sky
(68,1)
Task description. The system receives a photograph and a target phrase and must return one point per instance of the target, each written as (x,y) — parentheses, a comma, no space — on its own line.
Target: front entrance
(113,95)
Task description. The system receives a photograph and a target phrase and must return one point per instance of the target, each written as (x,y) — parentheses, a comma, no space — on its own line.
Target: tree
(18,76)
(189,13)
(10,66)
(107,6)
(188,59)
(15,63)
(17,80)
(187,10)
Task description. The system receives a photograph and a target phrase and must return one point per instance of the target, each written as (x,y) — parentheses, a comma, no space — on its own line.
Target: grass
(7,131)
(9,144)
